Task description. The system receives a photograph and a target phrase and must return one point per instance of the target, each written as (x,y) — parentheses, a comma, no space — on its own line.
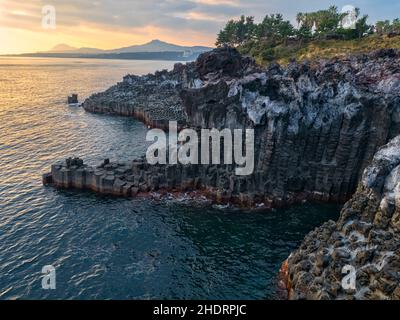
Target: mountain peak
(157,41)
(155,45)
(62,47)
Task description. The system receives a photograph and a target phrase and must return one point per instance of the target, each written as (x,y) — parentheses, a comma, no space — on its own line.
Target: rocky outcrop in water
(155,98)
(73,99)
(366,239)
(152,99)
(317,125)
(138,178)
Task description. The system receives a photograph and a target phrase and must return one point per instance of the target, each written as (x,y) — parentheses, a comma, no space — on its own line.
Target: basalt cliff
(319,128)
(317,124)
(357,257)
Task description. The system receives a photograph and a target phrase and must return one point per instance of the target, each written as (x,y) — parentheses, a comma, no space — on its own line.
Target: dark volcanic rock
(223,62)
(73,99)
(152,99)
(317,124)
(155,98)
(366,244)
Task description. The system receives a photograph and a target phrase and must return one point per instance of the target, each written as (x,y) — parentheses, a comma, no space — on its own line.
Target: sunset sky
(108,24)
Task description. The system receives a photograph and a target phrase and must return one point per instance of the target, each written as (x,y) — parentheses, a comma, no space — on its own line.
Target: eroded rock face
(317,125)
(223,62)
(152,99)
(366,238)
(155,98)
(213,183)
(317,128)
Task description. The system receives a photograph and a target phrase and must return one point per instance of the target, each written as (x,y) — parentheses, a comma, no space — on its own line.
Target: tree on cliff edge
(236,33)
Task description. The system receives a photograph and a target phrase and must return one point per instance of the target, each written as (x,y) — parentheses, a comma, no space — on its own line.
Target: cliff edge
(365,241)
(326,130)
(317,124)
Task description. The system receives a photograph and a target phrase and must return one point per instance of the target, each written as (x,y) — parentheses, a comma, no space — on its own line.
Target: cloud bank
(182,21)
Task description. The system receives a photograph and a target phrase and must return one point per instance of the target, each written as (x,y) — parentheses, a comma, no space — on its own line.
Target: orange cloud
(21,30)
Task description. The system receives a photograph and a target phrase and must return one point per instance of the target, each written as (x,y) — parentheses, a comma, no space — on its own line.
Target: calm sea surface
(108,248)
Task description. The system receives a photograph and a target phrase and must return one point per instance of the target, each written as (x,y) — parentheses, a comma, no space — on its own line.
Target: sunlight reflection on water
(116,248)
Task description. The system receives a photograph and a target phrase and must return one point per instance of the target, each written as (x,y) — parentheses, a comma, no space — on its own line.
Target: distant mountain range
(153,50)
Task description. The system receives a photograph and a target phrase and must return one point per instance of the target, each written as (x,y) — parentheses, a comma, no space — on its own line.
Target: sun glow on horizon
(21,32)
(105,24)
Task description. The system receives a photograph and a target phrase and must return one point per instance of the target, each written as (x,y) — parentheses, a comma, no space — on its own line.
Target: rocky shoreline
(152,99)
(366,237)
(139,179)
(318,126)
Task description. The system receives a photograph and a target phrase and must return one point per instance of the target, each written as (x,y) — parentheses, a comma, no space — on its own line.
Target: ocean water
(110,248)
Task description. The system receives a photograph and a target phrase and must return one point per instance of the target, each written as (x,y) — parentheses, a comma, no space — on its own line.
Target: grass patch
(265,53)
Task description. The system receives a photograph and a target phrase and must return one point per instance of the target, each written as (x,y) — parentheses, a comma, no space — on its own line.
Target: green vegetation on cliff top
(320,34)
(315,49)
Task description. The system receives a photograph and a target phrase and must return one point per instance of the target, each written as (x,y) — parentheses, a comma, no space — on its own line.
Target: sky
(109,24)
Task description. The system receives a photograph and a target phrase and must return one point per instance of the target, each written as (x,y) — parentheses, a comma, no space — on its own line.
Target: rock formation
(73,99)
(318,125)
(155,98)
(366,238)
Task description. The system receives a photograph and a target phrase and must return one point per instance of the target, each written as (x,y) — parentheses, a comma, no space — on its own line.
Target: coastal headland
(325,130)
